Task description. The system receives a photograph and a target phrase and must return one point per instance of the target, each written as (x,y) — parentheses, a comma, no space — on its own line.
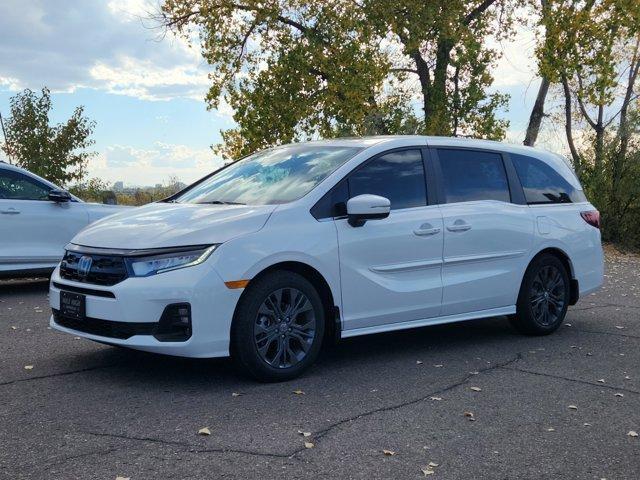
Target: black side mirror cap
(59,196)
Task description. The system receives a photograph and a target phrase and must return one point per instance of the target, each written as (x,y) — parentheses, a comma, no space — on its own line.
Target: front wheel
(278,327)
(544,297)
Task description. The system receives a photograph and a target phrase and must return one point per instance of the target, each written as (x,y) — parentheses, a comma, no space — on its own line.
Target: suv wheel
(544,297)
(278,327)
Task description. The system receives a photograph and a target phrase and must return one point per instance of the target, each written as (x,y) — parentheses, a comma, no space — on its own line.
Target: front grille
(105,269)
(105,328)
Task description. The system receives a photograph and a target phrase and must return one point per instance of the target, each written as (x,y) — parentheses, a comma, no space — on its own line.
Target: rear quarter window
(542,184)
(470,175)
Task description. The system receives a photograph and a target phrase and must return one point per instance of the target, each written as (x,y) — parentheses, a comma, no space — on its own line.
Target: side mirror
(367,207)
(59,196)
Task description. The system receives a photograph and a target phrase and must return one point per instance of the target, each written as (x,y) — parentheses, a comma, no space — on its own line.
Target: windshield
(279,175)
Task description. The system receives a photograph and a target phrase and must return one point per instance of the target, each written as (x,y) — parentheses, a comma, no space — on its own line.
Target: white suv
(270,256)
(37,219)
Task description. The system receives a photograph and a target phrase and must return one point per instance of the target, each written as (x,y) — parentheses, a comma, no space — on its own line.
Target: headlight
(164,262)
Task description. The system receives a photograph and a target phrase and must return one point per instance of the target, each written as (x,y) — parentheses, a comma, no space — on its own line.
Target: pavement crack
(59,374)
(325,431)
(69,458)
(188,447)
(570,379)
(244,452)
(140,439)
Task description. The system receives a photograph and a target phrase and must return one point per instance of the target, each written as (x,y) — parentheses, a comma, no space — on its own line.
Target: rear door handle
(426,230)
(10,211)
(459,226)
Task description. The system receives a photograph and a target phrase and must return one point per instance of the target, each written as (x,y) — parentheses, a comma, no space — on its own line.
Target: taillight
(592,217)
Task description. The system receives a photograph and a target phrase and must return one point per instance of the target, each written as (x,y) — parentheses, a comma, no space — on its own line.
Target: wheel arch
(332,310)
(566,261)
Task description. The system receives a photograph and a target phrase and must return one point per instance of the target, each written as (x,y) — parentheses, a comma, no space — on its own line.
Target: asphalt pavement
(463,401)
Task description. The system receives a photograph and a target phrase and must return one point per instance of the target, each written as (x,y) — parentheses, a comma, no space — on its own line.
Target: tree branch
(477,11)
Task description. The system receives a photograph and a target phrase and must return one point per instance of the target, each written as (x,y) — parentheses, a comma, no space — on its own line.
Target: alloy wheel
(548,295)
(285,328)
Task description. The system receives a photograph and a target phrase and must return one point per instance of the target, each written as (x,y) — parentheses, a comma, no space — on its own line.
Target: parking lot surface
(470,400)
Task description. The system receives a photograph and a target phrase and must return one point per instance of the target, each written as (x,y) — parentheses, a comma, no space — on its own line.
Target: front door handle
(426,230)
(10,211)
(459,226)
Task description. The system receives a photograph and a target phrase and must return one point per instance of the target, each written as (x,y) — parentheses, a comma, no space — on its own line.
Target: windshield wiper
(220,202)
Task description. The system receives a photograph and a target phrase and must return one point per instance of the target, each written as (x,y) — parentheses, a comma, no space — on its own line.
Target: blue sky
(146,93)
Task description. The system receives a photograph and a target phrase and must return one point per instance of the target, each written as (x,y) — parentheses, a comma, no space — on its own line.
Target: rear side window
(473,175)
(543,184)
(398,176)
(16,186)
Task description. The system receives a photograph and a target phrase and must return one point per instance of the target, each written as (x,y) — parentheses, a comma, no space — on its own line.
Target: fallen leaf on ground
(619,327)
(298,392)
(123,478)
(437,399)
(304,434)
(475,389)
(619,395)
(204,431)
(418,362)
(427,471)
(551,429)
(474,373)
(567,324)
(633,433)
(433,464)
(28,367)
(236,394)
(573,407)
(308,445)
(587,424)
(601,380)
(13,327)
(469,415)
(439,366)
(389,453)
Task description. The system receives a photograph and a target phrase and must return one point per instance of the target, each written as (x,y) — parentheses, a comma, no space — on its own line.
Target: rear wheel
(544,297)
(278,327)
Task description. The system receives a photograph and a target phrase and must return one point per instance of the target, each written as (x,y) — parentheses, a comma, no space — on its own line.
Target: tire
(265,324)
(544,297)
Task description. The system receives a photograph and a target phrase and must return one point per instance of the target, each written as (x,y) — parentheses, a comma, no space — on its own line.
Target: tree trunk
(537,113)
(568,126)
(438,122)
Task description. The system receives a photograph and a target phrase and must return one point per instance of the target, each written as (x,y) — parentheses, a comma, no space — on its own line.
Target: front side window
(16,186)
(398,176)
(543,184)
(470,175)
(278,175)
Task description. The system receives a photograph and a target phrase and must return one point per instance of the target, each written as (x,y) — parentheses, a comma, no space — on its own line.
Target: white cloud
(148,81)
(517,66)
(111,46)
(139,166)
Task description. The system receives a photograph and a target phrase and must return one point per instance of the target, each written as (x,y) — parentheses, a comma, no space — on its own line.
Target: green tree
(55,152)
(591,51)
(299,69)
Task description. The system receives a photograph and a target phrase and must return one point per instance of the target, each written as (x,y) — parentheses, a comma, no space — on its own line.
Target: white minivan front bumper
(143,300)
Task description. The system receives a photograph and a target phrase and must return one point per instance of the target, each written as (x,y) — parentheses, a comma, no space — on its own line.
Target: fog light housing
(175,323)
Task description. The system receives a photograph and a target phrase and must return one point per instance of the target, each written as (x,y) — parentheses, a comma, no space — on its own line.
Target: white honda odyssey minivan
(269,257)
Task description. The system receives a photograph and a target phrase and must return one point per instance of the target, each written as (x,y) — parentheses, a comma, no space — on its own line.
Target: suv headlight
(165,262)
